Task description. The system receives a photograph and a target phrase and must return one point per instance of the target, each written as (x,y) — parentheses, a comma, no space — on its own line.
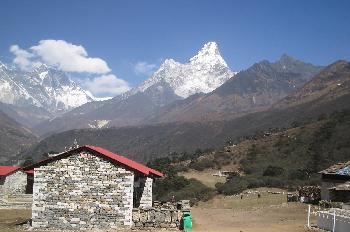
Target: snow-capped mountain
(42,87)
(171,82)
(202,74)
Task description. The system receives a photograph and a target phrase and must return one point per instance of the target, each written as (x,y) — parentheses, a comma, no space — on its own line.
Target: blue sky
(126,33)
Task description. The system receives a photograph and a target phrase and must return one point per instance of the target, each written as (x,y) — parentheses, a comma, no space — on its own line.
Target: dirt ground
(288,217)
(270,213)
(10,217)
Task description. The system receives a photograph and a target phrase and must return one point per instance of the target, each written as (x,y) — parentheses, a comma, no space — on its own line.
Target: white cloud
(144,68)
(60,54)
(71,58)
(23,58)
(106,85)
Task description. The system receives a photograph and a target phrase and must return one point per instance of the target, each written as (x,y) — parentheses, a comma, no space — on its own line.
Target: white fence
(335,220)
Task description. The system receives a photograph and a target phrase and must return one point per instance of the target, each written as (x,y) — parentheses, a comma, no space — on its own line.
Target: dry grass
(206,177)
(249,201)
(286,218)
(270,213)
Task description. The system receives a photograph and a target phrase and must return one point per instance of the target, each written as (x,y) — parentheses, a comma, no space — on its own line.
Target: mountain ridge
(202,74)
(172,81)
(251,90)
(146,142)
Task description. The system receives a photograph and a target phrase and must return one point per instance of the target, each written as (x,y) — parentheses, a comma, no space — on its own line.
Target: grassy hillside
(295,156)
(284,158)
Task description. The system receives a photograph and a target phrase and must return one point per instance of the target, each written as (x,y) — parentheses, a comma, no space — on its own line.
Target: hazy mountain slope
(146,142)
(28,116)
(118,111)
(172,81)
(13,138)
(254,89)
(330,83)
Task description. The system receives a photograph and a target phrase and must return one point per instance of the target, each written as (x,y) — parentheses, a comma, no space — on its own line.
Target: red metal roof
(29,171)
(105,153)
(5,170)
(155,172)
(121,159)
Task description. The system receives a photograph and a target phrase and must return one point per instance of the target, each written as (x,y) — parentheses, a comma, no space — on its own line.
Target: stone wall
(82,191)
(151,218)
(15,183)
(2,182)
(146,196)
(143,192)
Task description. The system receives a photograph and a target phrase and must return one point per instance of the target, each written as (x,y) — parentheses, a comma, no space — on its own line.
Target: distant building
(226,173)
(336,183)
(14,180)
(89,188)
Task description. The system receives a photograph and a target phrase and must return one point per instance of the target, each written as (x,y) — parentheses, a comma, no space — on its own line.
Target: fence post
(308,217)
(333,221)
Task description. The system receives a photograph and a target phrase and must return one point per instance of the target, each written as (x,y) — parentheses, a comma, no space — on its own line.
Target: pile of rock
(309,194)
(156,218)
(184,205)
(161,215)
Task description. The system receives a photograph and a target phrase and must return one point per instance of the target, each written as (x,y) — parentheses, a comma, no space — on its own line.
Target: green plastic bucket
(187,221)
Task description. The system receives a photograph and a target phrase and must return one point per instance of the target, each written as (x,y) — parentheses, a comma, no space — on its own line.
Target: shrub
(274,182)
(254,181)
(234,186)
(202,164)
(297,174)
(181,188)
(273,171)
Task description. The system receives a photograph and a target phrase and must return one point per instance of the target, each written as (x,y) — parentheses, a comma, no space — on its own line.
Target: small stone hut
(336,183)
(14,180)
(89,188)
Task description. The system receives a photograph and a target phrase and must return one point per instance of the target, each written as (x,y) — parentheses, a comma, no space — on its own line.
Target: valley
(152,120)
(201,115)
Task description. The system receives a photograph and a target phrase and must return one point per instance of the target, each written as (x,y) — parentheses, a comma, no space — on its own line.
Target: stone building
(89,188)
(336,183)
(14,180)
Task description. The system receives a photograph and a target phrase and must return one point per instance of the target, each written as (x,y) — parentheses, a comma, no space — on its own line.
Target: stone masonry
(82,191)
(15,183)
(146,197)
